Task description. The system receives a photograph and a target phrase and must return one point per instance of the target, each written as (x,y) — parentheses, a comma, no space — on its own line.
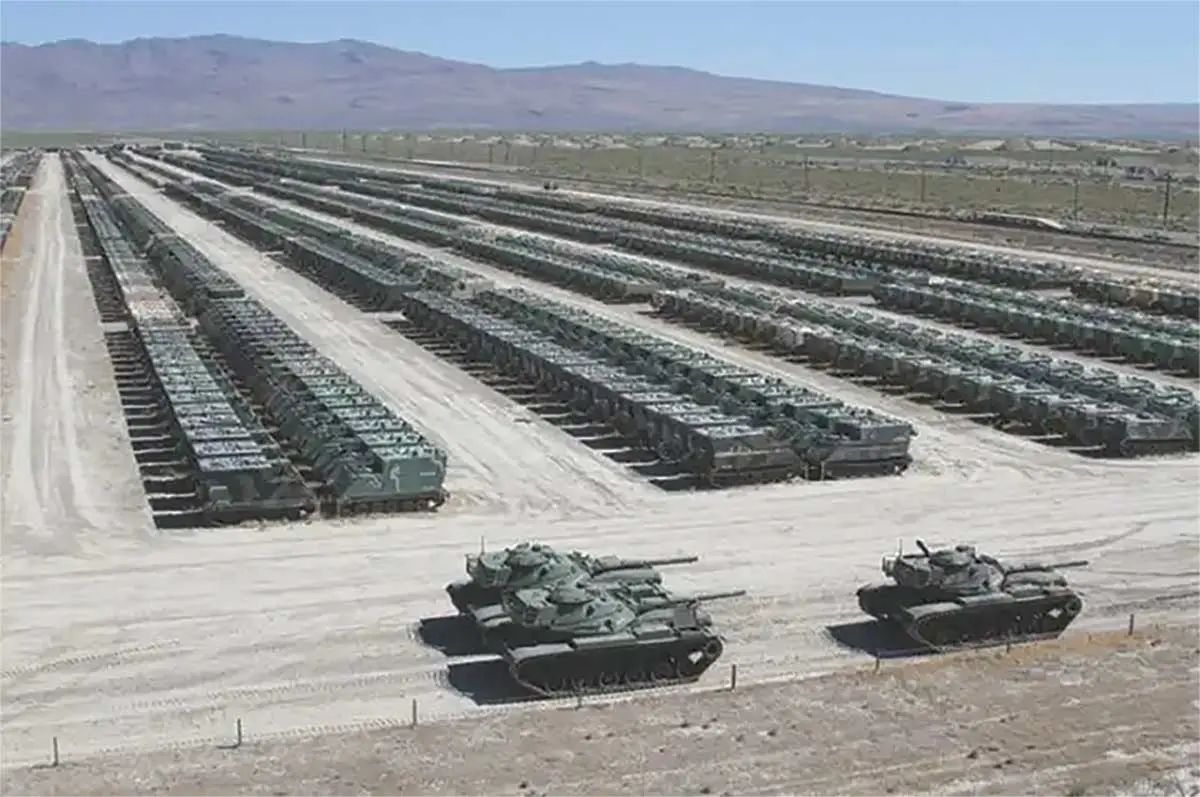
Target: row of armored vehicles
(568,623)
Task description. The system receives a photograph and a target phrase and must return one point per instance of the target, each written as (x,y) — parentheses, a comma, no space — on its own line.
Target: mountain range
(230,83)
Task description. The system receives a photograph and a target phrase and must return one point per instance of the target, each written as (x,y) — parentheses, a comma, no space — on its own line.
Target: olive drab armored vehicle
(584,637)
(956,597)
(534,564)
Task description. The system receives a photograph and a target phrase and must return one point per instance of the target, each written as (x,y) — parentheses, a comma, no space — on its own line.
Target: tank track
(1026,620)
(607,671)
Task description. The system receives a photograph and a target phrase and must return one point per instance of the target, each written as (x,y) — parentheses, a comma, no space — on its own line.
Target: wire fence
(241,734)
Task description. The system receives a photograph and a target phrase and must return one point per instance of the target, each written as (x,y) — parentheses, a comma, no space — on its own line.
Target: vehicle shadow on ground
(487,683)
(451,635)
(877,639)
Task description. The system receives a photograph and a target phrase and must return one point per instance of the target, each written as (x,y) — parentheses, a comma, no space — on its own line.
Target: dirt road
(303,627)
(995,723)
(70,481)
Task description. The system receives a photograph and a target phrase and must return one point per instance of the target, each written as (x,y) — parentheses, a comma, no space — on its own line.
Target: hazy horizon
(1013,52)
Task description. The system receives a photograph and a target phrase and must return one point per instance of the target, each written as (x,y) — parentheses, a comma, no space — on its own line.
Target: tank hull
(568,670)
(979,621)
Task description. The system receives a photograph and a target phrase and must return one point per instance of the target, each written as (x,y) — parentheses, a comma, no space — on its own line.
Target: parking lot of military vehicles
(285,396)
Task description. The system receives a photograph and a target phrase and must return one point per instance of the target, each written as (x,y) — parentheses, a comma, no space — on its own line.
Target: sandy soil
(1024,722)
(312,628)
(70,480)
(1125,269)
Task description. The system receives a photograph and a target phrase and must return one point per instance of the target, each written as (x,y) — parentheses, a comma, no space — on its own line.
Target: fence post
(876,661)
(1131,621)
(238,743)
(54,752)
(732,677)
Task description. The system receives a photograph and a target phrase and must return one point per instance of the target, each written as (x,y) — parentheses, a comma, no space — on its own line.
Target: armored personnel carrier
(583,637)
(955,598)
(534,564)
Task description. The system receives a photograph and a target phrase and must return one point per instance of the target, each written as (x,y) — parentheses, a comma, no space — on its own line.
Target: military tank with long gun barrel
(534,564)
(584,637)
(956,597)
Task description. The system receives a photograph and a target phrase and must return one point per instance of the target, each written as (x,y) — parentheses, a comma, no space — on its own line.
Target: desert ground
(852,196)
(1115,184)
(1001,725)
(120,641)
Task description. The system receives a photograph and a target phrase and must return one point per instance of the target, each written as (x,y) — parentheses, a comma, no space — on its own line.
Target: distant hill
(227,82)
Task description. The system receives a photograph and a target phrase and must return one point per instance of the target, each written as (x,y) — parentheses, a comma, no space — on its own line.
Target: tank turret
(585,636)
(958,597)
(534,564)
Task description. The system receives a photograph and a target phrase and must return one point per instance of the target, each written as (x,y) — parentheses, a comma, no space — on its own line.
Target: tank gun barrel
(924,548)
(704,597)
(1024,567)
(685,600)
(606,564)
(666,560)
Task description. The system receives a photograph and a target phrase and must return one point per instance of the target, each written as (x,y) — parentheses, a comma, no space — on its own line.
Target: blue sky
(978,51)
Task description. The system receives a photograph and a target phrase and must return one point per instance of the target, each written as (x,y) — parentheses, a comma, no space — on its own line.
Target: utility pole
(345,143)
(1075,201)
(304,141)
(712,166)
(1167,201)
(364,143)
(922,184)
(806,183)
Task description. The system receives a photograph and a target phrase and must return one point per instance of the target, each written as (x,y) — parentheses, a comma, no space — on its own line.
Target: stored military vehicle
(956,597)
(580,637)
(532,564)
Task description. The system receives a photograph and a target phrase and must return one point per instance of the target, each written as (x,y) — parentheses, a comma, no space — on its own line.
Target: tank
(956,597)
(583,637)
(534,564)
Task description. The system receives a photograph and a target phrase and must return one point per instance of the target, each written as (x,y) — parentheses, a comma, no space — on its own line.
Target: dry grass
(1086,715)
(862,179)
(897,185)
(1059,185)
